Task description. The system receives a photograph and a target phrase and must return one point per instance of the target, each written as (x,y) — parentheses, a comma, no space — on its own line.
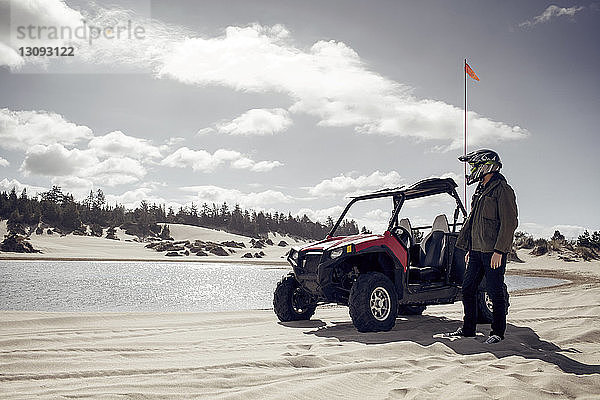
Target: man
(487,237)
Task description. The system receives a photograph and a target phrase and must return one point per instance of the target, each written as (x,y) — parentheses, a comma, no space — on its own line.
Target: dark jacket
(493,219)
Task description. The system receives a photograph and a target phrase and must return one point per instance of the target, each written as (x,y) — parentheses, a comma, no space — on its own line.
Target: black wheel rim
(298,301)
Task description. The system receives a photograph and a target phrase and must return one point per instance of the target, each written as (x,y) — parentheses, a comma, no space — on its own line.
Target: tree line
(61,211)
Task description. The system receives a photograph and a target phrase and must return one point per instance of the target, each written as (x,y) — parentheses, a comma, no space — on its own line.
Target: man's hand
(496,260)
(467,258)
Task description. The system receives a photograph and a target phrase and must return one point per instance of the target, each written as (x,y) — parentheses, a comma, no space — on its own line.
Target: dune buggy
(381,276)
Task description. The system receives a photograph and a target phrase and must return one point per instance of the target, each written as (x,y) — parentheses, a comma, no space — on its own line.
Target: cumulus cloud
(20,130)
(550,13)
(258,121)
(322,214)
(118,144)
(132,198)
(56,161)
(202,160)
(124,51)
(4,162)
(257,200)
(116,171)
(35,12)
(328,80)
(344,184)
(7,185)
(78,187)
(9,57)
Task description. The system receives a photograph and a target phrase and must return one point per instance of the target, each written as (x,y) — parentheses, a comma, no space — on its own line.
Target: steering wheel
(403,235)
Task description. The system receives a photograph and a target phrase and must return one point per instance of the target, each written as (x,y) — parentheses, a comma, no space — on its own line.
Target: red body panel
(389,241)
(363,242)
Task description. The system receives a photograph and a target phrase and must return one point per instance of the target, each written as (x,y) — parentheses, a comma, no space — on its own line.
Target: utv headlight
(294,255)
(335,253)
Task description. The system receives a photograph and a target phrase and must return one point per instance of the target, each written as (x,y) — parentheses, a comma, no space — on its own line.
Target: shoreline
(166,259)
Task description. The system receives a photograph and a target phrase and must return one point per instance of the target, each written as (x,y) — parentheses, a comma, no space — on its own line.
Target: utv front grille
(310,262)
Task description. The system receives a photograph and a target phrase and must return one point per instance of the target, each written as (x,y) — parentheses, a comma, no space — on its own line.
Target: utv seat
(433,248)
(405,235)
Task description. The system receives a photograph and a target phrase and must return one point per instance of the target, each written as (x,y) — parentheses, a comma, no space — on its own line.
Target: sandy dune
(551,351)
(94,248)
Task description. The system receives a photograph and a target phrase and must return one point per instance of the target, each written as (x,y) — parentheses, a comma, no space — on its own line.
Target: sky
(294,106)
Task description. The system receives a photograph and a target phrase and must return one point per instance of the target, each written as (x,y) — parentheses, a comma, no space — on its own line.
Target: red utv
(381,276)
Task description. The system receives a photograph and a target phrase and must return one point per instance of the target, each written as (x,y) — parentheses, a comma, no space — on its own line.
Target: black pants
(479,265)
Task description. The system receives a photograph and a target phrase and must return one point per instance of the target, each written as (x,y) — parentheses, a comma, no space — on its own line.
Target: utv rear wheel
(485,308)
(373,303)
(411,309)
(290,302)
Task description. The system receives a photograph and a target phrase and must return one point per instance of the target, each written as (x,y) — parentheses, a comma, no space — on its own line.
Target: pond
(81,286)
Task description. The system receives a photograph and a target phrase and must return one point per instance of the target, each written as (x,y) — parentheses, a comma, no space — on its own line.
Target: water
(152,286)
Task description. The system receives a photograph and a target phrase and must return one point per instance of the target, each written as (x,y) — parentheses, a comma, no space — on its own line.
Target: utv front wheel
(373,303)
(485,308)
(290,302)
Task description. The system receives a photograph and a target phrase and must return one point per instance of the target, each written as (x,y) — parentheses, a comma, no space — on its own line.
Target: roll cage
(424,188)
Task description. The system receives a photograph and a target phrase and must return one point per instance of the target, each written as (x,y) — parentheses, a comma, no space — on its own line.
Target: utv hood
(332,243)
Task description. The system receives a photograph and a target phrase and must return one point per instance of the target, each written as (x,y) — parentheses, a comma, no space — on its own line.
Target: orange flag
(469,71)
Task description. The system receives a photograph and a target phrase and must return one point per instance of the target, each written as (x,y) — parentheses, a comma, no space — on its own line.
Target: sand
(551,351)
(73,247)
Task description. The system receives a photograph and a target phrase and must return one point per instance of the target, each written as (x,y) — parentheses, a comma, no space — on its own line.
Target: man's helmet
(482,162)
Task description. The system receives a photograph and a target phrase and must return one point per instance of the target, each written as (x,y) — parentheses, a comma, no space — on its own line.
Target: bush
(595,239)
(523,240)
(586,253)
(591,241)
(96,230)
(557,236)
(584,240)
(541,247)
(165,233)
(17,244)
(111,233)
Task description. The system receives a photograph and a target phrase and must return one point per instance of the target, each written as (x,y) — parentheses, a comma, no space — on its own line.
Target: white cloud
(20,130)
(202,160)
(328,80)
(78,187)
(174,140)
(348,185)
(550,13)
(9,57)
(118,144)
(322,214)
(265,166)
(116,171)
(7,185)
(4,162)
(125,50)
(376,220)
(218,195)
(57,161)
(205,131)
(258,121)
(132,198)
(543,231)
(38,13)
(199,160)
